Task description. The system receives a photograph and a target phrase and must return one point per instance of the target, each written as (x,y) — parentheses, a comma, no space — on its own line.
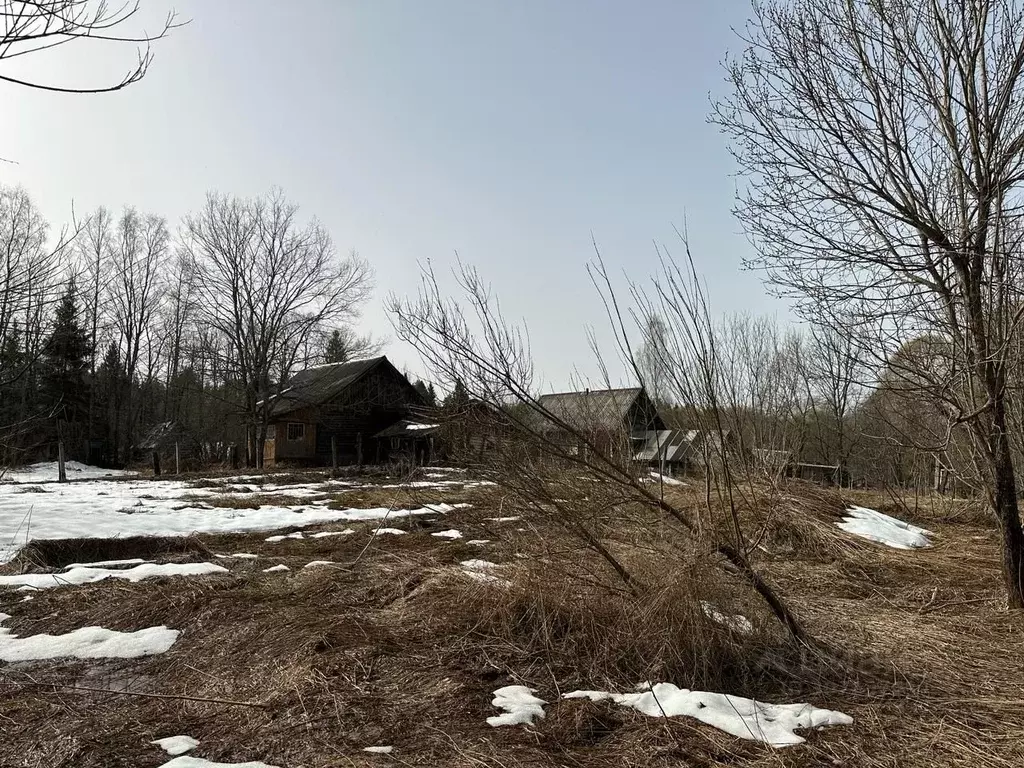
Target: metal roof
(320,383)
(407,428)
(600,408)
(665,444)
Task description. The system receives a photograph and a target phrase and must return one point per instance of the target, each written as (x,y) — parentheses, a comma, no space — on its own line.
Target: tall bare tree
(34,26)
(270,286)
(883,148)
(136,287)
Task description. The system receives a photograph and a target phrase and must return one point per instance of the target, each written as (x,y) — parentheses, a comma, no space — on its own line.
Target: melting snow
(385,531)
(186,761)
(87,643)
(176,745)
(503,519)
(746,718)
(276,568)
(315,563)
(325,534)
(379,750)
(48,472)
(665,479)
(520,706)
(477,570)
(452,534)
(106,563)
(479,542)
(737,622)
(893,532)
(138,507)
(87,575)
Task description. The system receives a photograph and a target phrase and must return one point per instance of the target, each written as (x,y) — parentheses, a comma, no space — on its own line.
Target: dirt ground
(392,644)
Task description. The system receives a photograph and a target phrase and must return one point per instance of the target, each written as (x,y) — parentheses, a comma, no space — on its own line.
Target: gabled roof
(317,385)
(598,408)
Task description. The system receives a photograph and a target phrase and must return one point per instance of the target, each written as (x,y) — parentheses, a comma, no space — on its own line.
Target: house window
(296,431)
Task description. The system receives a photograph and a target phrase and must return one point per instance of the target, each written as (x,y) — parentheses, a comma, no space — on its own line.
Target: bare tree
(34,26)
(883,147)
(270,286)
(136,288)
(470,342)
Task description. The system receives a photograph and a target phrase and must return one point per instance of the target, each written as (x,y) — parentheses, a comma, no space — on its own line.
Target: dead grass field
(394,645)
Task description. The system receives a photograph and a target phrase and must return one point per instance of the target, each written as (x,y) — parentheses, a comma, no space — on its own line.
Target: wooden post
(233,456)
(334,451)
(177,458)
(359,449)
(156,463)
(62,472)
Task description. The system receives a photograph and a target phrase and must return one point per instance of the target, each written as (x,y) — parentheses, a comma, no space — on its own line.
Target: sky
(514,134)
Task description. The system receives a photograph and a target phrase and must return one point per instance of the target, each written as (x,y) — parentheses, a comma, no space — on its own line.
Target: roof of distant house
(592,408)
(321,383)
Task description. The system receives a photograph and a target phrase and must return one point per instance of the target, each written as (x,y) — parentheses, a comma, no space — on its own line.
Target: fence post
(156,463)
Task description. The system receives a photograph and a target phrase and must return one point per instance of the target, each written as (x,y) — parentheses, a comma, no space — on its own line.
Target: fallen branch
(60,686)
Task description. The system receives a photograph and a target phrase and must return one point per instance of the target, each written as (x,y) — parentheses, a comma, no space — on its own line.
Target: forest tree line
(120,323)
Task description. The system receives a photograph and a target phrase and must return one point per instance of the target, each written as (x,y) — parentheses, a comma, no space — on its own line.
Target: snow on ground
(276,568)
(387,531)
(520,706)
(503,519)
(176,745)
(187,761)
(325,534)
(283,536)
(48,472)
(746,718)
(451,534)
(107,509)
(479,542)
(478,570)
(106,563)
(316,563)
(379,750)
(893,532)
(86,643)
(659,478)
(85,575)
(239,556)
(737,622)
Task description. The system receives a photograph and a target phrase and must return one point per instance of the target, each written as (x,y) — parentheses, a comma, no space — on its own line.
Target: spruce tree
(65,380)
(337,351)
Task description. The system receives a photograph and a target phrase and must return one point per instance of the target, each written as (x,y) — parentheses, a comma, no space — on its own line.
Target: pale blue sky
(506,131)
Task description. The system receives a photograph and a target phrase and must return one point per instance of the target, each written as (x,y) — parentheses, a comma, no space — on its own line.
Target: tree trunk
(1004,504)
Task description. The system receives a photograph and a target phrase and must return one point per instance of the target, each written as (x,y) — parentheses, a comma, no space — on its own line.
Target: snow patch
(186,761)
(276,568)
(87,575)
(315,563)
(452,534)
(87,643)
(176,745)
(503,519)
(106,563)
(737,622)
(479,542)
(379,750)
(283,536)
(891,531)
(48,472)
(659,478)
(389,531)
(520,706)
(325,534)
(745,718)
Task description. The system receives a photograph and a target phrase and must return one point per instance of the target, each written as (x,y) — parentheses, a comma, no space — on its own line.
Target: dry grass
(394,645)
